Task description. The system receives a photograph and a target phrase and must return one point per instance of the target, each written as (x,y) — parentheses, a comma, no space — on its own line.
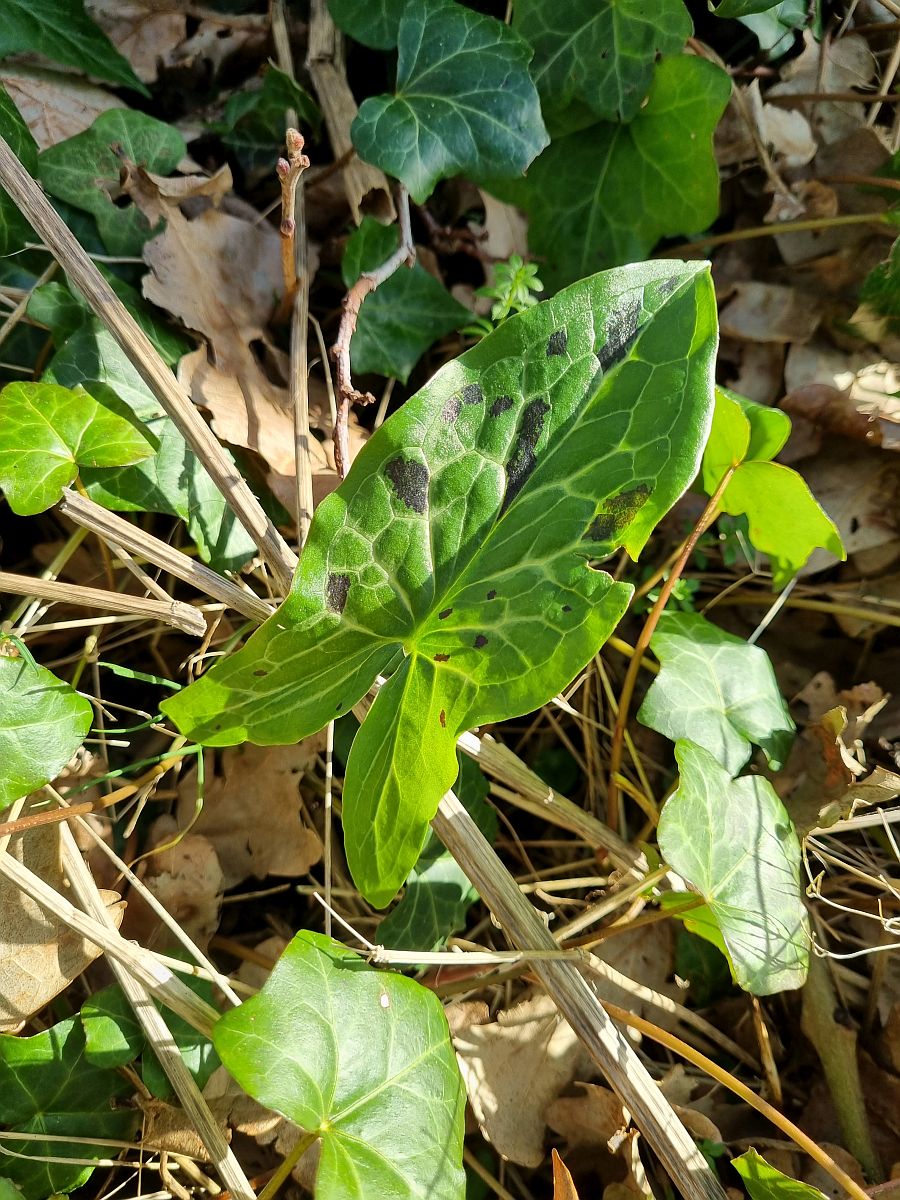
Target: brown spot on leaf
(443,719)
(444,614)
(522,461)
(337,588)
(617,513)
(480,641)
(260,674)
(442,658)
(491,594)
(409,479)
(557,343)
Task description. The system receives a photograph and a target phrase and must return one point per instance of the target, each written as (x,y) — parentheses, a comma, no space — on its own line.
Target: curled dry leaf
(784,131)
(253,812)
(54,106)
(513,1069)
(840,65)
(187,880)
(39,956)
(563,1184)
(146,32)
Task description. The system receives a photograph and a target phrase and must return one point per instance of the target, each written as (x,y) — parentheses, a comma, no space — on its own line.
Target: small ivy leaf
(599,53)
(112,1036)
(460,544)
(43,721)
(765,1182)
(746,436)
(252,123)
(606,195)
(48,432)
(718,690)
(84,171)
(374,23)
(404,316)
(363,1059)
(465,103)
(14,229)
(62,31)
(733,840)
(47,1086)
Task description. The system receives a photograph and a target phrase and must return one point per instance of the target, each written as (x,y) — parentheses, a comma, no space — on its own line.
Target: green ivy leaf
(14,229)
(606,195)
(360,1057)
(252,124)
(775,28)
(718,690)
(599,53)
(84,171)
(375,23)
(48,432)
(43,721)
(748,435)
(765,1182)
(733,840)
(881,287)
(438,893)
(743,8)
(457,552)
(62,31)
(465,103)
(404,316)
(47,1086)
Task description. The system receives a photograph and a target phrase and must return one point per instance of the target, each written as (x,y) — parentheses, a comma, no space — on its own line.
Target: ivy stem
(288,1163)
(758,231)
(726,1079)
(642,644)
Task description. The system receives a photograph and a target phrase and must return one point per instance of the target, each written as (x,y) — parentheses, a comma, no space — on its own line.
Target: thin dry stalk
(136,345)
(170,612)
(289,171)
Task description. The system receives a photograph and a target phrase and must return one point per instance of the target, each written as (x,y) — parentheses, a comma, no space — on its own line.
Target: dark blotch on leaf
(621,330)
(409,479)
(668,286)
(444,614)
(336,589)
(522,461)
(443,719)
(491,594)
(501,405)
(260,673)
(567,608)
(451,409)
(480,641)
(617,513)
(557,343)
(472,394)
(442,658)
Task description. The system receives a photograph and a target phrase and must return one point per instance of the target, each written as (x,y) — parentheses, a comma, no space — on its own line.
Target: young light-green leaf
(718,691)
(765,1182)
(464,105)
(362,1058)
(47,1086)
(786,522)
(62,31)
(48,432)
(457,552)
(404,316)
(599,53)
(733,840)
(607,194)
(43,721)
(84,171)
(373,22)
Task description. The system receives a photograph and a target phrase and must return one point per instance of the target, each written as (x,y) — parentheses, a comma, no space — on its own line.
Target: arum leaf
(746,436)
(733,840)
(718,690)
(464,105)
(62,31)
(404,316)
(43,721)
(14,229)
(606,195)
(600,53)
(47,1086)
(456,554)
(84,171)
(765,1182)
(363,1059)
(373,22)
(47,432)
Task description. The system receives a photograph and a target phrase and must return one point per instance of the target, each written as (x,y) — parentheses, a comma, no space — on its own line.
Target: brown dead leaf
(168,1127)
(759,367)
(253,973)
(786,132)
(589,1119)
(817,1177)
(146,32)
(768,312)
(253,812)
(836,66)
(54,106)
(187,880)
(563,1184)
(39,956)
(513,1069)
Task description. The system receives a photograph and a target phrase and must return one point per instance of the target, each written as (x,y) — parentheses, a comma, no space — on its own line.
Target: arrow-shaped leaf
(456,557)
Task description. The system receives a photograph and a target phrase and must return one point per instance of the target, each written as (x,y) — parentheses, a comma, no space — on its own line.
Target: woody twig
(289,171)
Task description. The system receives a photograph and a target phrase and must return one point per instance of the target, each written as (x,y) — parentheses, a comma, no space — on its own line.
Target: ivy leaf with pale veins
(718,690)
(14,229)
(765,1182)
(362,1058)
(48,432)
(62,30)
(84,171)
(465,103)
(599,53)
(43,721)
(733,840)
(404,316)
(606,195)
(457,552)
(375,23)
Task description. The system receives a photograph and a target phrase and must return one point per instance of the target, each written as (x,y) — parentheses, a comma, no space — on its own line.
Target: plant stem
(758,231)
(287,1165)
(642,645)
(289,171)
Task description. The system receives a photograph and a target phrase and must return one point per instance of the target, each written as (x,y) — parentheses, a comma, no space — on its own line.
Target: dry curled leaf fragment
(185,876)
(563,1183)
(53,105)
